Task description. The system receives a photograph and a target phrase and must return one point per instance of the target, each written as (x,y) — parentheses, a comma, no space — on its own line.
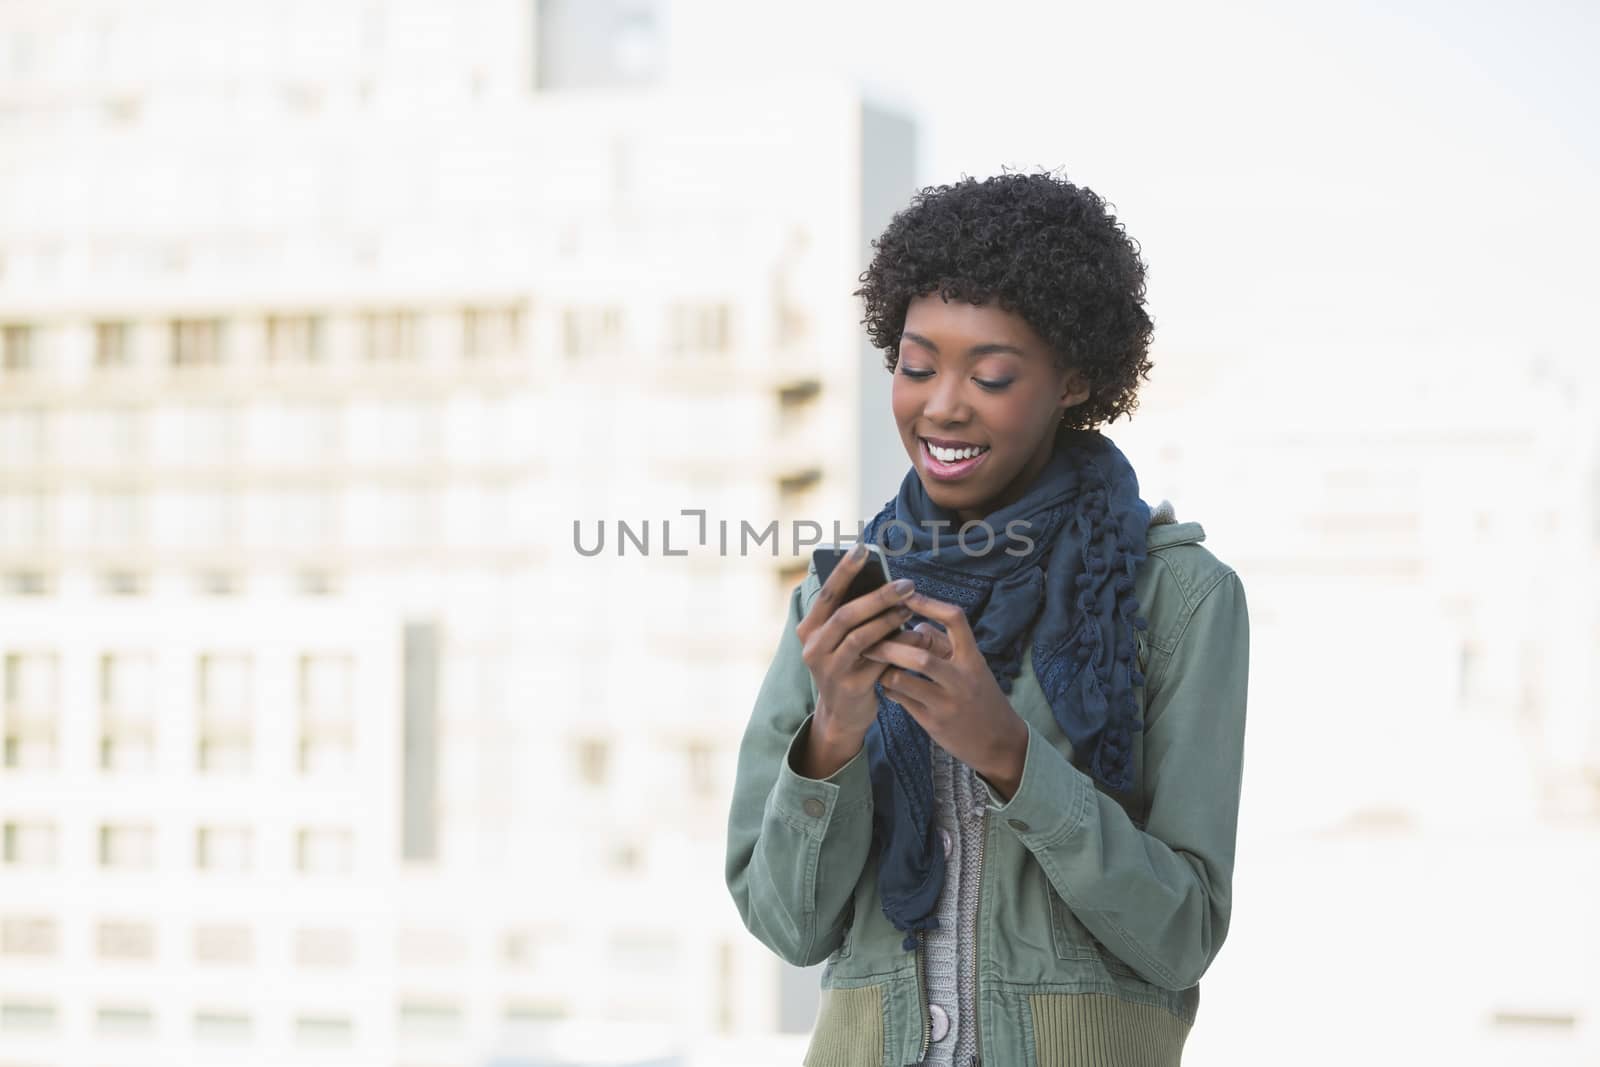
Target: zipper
(978,941)
(922,987)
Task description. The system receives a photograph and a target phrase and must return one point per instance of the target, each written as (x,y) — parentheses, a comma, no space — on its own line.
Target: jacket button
(944,839)
(1018,825)
(814,807)
(940,1022)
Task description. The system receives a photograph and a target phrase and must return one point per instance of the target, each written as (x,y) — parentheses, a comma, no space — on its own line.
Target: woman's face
(973,376)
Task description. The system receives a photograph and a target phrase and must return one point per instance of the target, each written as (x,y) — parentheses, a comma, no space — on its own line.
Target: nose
(947,404)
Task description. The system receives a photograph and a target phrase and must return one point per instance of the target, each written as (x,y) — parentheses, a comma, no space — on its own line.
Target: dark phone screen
(869,577)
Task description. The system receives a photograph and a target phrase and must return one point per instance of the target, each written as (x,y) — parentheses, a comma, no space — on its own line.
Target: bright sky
(1304,182)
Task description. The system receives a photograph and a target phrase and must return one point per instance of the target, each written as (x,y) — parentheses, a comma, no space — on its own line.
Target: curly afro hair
(1038,246)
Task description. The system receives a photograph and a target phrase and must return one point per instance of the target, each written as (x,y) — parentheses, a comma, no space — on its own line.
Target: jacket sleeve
(796,846)
(1158,897)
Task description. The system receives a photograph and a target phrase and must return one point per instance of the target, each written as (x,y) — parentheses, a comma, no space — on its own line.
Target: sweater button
(941,1022)
(944,839)
(1018,825)
(814,807)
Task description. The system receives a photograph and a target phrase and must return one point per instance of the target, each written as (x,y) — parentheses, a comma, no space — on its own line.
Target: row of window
(466,428)
(132,847)
(129,698)
(484,332)
(135,583)
(327,947)
(387,336)
(413,1018)
(377,517)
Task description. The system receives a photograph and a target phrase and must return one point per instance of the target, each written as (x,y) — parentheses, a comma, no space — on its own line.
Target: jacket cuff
(811,804)
(1051,799)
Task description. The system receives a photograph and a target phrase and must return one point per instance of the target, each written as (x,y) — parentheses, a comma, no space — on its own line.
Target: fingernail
(859,551)
(905,586)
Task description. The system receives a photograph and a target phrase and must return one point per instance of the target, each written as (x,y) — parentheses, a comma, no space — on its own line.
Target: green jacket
(1096,916)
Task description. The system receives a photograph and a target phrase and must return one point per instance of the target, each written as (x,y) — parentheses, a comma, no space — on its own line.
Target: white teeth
(952,455)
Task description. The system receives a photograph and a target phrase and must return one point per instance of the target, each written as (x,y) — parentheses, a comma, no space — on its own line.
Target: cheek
(901,401)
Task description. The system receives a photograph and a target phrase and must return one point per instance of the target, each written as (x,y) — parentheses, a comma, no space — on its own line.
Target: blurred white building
(320,325)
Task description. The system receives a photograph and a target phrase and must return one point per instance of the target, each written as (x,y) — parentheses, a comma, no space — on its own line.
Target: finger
(887,600)
(910,658)
(901,685)
(862,638)
(828,597)
(936,641)
(954,620)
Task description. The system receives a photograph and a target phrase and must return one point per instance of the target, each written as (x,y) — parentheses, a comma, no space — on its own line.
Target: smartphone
(874,570)
(874,573)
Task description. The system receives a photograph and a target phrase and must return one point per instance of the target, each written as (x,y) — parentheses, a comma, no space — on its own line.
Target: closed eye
(920,375)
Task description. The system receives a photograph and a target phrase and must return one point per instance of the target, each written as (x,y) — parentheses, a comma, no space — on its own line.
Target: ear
(1074,390)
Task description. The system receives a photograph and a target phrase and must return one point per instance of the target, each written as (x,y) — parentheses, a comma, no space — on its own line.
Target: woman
(1009,831)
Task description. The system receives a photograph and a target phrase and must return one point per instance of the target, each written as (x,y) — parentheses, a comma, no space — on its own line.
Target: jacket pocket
(1073,940)
(849,1029)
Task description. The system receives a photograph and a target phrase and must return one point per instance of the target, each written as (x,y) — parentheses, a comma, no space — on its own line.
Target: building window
(701,768)
(307,518)
(29,844)
(212,434)
(698,329)
(490,333)
(123,1021)
(221,583)
(24,437)
(535,1012)
(644,952)
(225,713)
(429,1018)
(589,331)
(25,520)
(223,848)
(327,714)
(16,348)
(113,349)
(797,401)
(116,519)
(118,940)
(324,851)
(430,948)
(197,343)
(323,1031)
(27,583)
(28,937)
(222,1026)
(390,337)
(126,847)
(210,519)
(594,757)
(294,339)
(223,943)
(127,712)
(317,949)
(30,710)
(124,583)
(27,1016)
(111,436)
(317,583)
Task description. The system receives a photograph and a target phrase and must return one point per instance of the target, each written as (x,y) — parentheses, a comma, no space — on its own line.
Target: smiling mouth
(946,463)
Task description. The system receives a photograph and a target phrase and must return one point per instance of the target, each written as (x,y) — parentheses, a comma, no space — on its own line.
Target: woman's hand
(958,703)
(834,635)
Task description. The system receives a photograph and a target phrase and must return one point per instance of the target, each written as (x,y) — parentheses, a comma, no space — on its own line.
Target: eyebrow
(972,353)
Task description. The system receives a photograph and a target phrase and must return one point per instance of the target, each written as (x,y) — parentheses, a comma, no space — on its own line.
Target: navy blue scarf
(1073,588)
